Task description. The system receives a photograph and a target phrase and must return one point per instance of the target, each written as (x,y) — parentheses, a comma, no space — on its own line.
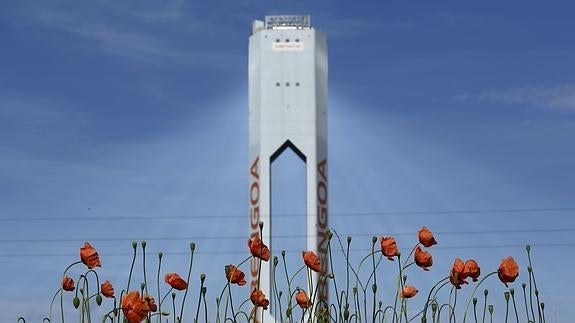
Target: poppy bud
(373,239)
(329,234)
(261,224)
(76,302)
(348,240)
(144,244)
(192,247)
(506,295)
(490,309)
(99,299)
(160,254)
(485,292)
(374,288)
(528,248)
(203,277)
(288,312)
(434,307)
(134,245)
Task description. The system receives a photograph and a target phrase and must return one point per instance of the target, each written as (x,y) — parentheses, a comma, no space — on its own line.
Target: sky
(128,121)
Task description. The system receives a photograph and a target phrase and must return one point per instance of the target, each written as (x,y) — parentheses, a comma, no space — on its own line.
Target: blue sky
(128,121)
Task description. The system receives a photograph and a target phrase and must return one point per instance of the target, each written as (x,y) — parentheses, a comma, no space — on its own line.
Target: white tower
(287,109)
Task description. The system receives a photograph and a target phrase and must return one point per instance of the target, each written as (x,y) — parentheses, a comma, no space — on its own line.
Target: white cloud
(151,35)
(554,98)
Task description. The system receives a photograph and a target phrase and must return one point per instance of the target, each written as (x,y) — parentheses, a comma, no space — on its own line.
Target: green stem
(525,302)
(514,306)
(134,246)
(159,319)
(192,251)
(144,266)
(443,282)
(473,293)
(199,300)
(484,308)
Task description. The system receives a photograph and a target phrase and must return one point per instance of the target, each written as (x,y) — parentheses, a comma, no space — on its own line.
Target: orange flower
(259,299)
(151,303)
(302,299)
(68,284)
(235,276)
(458,273)
(175,281)
(423,258)
(311,260)
(259,249)
(89,256)
(472,269)
(389,247)
(134,307)
(408,291)
(508,270)
(107,289)
(426,237)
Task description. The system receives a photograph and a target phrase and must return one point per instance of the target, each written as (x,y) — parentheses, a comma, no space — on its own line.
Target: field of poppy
(82,294)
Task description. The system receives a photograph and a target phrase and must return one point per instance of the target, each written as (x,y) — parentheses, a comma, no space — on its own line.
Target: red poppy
(311,260)
(389,247)
(259,299)
(135,308)
(89,256)
(235,276)
(302,299)
(458,273)
(68,284)
(175,281)
(423,258)
(408,291)
(508,270)
(259,249)
(151,303)
(426,237)
(107,289)
(472,269)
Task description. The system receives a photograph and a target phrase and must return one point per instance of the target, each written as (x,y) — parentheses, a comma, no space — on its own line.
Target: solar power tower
(288,110)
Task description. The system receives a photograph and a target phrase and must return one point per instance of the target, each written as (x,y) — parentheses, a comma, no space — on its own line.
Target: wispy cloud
(561,98)
(151,35)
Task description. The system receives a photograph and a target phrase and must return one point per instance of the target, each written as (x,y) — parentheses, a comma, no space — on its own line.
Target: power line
(336,214)
(290,236)
(235,252)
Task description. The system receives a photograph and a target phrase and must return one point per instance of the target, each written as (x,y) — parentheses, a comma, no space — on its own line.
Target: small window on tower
(287,40)
(277,83)
(296,83)
(287,83)
(277,40)
(297,40)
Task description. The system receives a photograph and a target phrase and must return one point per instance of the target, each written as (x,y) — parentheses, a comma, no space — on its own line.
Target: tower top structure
(288,21)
